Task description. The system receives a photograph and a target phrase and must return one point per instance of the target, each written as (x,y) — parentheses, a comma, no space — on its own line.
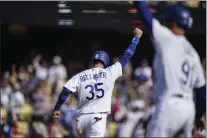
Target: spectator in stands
(40,68)
(143,75)
(16,100)
(37,127)
(149,112)
(121,86)
(56,129)
(129,117)
(57,74)
(22,74)
(4,100)
(6,124)
(38,99)
(118,101)
(69,111)
(32,82)
(6,89)
(57,71)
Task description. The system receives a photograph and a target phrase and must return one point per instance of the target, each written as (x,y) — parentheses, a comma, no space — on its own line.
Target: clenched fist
(56,114)
(138,32)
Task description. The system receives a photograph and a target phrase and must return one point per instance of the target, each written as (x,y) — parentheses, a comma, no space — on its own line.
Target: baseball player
(94,89)
(177,70)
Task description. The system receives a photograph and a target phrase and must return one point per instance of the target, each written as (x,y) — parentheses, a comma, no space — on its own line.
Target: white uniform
(177,70)
(94,89)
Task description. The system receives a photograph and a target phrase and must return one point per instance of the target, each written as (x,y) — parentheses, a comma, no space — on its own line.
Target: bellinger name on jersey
(93,76)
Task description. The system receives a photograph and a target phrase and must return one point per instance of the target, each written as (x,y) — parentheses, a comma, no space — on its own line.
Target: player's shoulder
(114,69)
(115,65)
(164,31)
(156,22)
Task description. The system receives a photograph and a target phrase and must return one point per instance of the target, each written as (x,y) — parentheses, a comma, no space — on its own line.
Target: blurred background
(43,44)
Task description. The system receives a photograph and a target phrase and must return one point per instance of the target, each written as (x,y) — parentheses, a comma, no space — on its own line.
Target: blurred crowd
(29,93)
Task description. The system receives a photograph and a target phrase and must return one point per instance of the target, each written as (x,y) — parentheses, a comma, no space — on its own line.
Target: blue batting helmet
(102,56)
(180,15)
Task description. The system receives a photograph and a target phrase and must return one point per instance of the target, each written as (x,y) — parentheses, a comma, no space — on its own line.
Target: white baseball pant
(172,115)
(92,125)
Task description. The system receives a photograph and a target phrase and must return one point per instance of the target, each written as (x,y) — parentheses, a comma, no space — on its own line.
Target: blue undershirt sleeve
(145,14)
(201,100)
(62,98)
(129,52)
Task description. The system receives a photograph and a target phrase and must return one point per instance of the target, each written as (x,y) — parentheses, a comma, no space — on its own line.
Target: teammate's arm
(145,14)
(157,31)
(200,105)
(200,89)
(129,52)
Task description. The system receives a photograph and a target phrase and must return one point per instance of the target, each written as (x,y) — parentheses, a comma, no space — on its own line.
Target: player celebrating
(94,89)
(177,71)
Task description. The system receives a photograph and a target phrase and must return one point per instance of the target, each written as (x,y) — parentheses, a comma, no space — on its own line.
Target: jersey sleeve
(161,35)
(73,84)
(115,70)
(200,79)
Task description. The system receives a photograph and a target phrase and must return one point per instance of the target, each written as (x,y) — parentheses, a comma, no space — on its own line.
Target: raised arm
(129,52)
(160,35)
(145,14)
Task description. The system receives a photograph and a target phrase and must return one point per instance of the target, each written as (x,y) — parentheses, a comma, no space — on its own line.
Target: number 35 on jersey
(95,90)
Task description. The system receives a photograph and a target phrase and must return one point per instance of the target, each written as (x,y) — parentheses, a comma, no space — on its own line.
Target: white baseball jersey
(94,88)
(176,64)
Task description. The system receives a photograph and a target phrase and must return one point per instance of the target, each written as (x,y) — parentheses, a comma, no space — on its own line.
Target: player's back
(94,88)
(176,65)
